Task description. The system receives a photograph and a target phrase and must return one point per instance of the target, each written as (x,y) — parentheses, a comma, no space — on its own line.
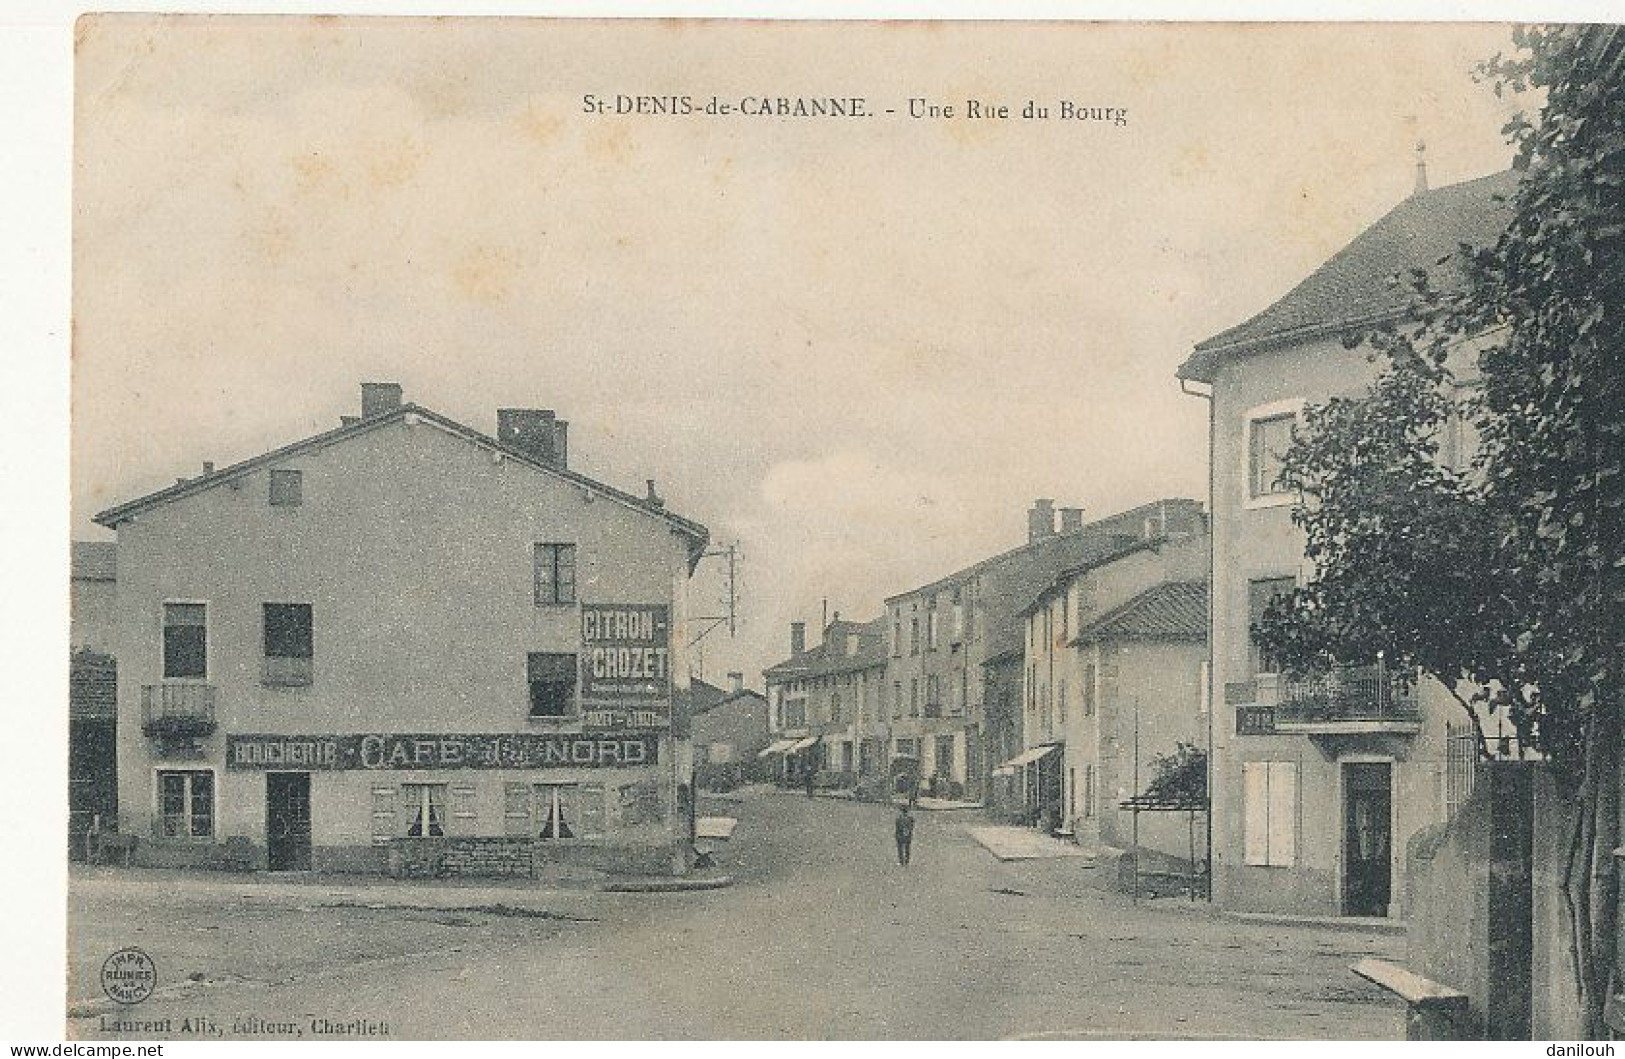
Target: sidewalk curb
(1352,924)
(665,886)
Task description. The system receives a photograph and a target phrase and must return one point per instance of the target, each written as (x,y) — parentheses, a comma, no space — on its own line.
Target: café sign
(626,665)
(376,751)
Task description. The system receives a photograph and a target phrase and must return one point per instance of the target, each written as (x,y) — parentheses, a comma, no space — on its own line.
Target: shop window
(186,804)
(555,574)
(552,679)
(288,644)
(186,641)
(1270,813)
(425,809)
(287,488)
(568,810)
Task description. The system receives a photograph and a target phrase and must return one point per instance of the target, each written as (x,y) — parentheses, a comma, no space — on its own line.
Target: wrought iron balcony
(177,709)
(1347,699)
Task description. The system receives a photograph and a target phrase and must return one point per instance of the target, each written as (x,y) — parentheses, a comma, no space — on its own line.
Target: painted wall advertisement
(387,751)
(626,665)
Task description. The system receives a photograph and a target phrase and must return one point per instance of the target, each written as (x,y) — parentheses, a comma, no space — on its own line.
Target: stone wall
(433,858)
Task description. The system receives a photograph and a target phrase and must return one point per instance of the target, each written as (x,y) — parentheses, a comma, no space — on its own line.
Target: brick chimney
(1071,519)
(379,397)
(1041,520)
(736,682)
(537,433)
(798,638)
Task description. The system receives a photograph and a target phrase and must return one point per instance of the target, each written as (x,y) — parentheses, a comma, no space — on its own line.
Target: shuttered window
(383,814)
(464,809)
(516,808)
(1270,813)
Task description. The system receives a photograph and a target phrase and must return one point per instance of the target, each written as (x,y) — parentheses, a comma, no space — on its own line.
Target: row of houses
(402,645)
(1045,680)
(1007,681)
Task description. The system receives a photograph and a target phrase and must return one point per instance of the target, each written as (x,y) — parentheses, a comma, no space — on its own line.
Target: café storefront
(594,778)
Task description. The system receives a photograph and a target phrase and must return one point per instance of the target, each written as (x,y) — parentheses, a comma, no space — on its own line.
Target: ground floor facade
(413,805)
(1317,822)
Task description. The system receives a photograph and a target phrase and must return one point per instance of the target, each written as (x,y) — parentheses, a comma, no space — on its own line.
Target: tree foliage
(1507,575)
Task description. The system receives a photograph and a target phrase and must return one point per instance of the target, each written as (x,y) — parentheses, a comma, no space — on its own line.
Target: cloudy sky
(857,348)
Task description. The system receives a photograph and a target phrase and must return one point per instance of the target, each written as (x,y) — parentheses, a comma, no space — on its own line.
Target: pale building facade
(1318,785)
(407,646)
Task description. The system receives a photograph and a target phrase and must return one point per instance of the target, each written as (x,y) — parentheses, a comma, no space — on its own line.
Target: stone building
(404,645)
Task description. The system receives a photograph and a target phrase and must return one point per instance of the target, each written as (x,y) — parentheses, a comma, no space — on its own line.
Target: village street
(822,936)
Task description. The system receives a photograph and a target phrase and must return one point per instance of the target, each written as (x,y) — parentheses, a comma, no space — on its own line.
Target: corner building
(404,646)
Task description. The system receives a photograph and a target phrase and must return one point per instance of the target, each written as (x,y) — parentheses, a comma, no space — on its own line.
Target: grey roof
(94,561)
(697,534)
(703,697)
(1174,610)
(831,657)
(1356,285)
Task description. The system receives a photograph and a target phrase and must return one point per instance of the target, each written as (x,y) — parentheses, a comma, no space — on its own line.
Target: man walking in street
(905,834)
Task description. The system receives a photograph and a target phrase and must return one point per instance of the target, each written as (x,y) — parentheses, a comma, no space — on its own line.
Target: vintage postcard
(634,529)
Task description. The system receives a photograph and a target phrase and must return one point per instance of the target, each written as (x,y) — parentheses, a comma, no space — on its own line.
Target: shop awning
(781,747)
(1026,757)
(811,740)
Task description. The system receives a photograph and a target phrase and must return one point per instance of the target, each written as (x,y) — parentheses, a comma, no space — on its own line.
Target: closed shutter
(1255,812)
(590,810)
(383,814)
(1283,813)
(516,808)
(464,815)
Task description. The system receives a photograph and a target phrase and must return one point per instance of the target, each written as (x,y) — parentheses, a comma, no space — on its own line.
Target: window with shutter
(516,808)
(1270,813)
(1283,813)
(590,798)
(464,810)
(383,814)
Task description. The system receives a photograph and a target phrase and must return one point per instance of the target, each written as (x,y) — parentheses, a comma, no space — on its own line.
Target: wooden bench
(1434,1012)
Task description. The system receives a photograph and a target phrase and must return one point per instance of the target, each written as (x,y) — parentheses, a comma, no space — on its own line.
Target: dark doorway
(287,820)
(1367,837)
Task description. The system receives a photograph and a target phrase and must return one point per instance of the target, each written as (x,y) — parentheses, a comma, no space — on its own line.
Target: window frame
(159,816)
(1291,407)
(1274,817)
(293,677)
(424,809)
(572,708)
(163,645)
(1255,656)
(555,596)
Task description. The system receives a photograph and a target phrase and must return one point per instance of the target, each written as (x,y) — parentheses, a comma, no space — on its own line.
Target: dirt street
(822,936)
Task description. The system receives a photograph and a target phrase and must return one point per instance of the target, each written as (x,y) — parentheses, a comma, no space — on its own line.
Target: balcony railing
(177,709)
(1361,695)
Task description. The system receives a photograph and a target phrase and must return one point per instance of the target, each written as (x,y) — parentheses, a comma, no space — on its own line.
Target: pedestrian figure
(810,777)
(905,834)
